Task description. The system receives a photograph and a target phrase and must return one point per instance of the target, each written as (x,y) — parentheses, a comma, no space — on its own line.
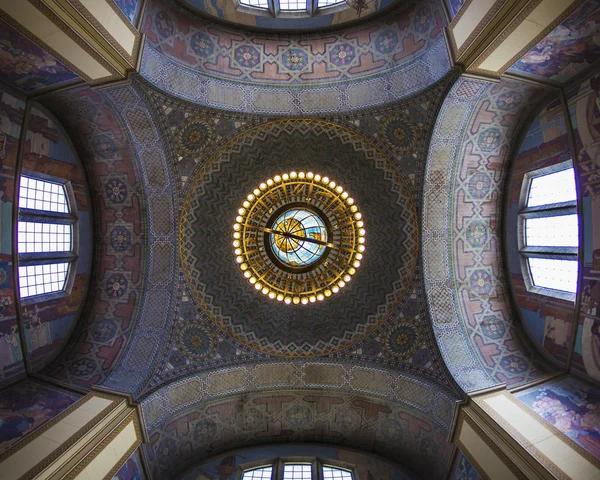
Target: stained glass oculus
(299,238)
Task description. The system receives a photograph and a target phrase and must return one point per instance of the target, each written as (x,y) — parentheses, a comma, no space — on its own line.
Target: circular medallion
(401,133)
(218,188)
(194,136)
(195,341)
(298,238)
(402,340)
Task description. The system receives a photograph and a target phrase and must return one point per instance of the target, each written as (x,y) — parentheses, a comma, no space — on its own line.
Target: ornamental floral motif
(386,41)
(477,234)
(423,20)
(104,330)
(295,59)
(298,416)
(194,136)
(402,340)
(342,55)
(120,239)
(392,429)
(82,367)
(513,364)
(116,191)
(401,133)
(195,341)
(480,282)
(202,45)
(493,327)
(246,56)
(104,146)
(116,286)
(509,100)
(479,185)
(489,139)
(205,429)
(252,419)
(164,24)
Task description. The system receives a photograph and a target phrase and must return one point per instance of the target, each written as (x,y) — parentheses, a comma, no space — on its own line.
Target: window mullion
(312,6)
(274,7)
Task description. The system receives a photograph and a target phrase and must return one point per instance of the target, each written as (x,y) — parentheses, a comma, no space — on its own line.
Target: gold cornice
(88,33)
(510,28)
(87,455)
(104,34)
(70,442)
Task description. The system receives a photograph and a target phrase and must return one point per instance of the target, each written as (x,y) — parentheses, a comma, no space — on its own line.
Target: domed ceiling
(216,190)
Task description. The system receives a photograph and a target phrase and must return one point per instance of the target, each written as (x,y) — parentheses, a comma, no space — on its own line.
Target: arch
(396,415)
(461,237)
(233,70)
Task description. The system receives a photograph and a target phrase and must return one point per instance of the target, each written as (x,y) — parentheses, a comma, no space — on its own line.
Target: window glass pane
(552,188)
(258,474)
(42,195)
(558,231)
(326,3)
(297,472)
(39,279)
(292,4)
(554,273)
(255,3)
(44,237)
(330,473)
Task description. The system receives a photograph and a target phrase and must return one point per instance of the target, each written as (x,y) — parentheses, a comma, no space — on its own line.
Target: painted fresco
(550,321)
(570,405)
(227,10)
(584,107)
(48,151)
(28,405)
(28,67)
(132,469)
(367,466)
(129,8)
(568,49)
(462,469)
(12,110)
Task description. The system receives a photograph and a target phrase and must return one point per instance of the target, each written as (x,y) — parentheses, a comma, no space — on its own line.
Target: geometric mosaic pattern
(210,208)
(261,73)
(461,241)
(157,297)
(113,298)
(390,414)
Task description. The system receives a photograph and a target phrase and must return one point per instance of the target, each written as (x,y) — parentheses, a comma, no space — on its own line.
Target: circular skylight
(298,238)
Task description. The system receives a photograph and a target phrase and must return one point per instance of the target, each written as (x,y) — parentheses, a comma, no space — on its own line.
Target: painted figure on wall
(28,405)
(26,65)
(571,406)
(568,49)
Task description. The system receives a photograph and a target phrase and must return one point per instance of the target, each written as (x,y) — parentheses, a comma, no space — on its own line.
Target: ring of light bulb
(327,278)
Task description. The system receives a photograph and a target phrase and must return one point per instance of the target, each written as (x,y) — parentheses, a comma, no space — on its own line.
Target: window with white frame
(297,468)
(45,237)
(549,231)
(291,8)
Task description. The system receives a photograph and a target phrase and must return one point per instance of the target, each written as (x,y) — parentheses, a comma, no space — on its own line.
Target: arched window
(297,468)
(46,240)
(549,231)
(290,8)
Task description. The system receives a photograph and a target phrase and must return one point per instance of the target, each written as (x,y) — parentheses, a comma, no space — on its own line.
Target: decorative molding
(485,21)
(526,444)
(68,30)
(93,21)
(131,417)
(515,22)
(36,469)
